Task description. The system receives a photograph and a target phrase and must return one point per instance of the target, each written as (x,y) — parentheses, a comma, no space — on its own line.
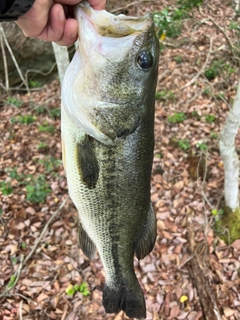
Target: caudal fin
(129,300)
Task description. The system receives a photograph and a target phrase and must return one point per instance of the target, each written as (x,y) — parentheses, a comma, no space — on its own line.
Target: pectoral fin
(85,243)
(87,163)
(147,240)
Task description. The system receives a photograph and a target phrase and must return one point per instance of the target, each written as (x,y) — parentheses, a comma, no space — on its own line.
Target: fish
(107,129)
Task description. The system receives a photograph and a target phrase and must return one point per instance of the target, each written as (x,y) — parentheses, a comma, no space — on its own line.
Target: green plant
(220,96)
(207,92)
(35,84)
(178,59)
(177,117)
(70,290)
(55,113)
(229,69)
(6,188)
(12,281)
(24,119)
(40,110)
(233,25)
(196,115)
(213,135)
(50,163)
(210,118)
(45,127)
(14,101)
(183,144)
(217,214)
(14,260)
(23,245)
(189,4)
(214,70)
(83,288)
(159,155)
(202,146)
(168,23)
(12,172)
(38,189)
(165,95)
(41,145)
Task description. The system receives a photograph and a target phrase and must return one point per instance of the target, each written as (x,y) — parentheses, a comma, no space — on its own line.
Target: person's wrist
(15,9)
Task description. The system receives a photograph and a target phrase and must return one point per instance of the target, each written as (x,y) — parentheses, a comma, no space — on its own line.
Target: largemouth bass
(107,124)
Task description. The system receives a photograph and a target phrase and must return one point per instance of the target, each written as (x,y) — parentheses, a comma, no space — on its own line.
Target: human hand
(47,20)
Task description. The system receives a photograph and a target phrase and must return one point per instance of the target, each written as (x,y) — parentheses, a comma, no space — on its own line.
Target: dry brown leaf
(20,226)
(174,312)
(236,244)
(228,312)
(42,297)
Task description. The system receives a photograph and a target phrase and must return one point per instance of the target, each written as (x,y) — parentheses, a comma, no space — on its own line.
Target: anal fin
(147,240)
(85,243)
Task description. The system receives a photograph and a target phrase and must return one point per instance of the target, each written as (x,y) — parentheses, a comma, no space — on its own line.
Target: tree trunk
(62,59)
(229,155)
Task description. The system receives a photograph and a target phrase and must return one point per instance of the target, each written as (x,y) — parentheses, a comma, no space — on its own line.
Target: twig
(40,72)
(13,58)
(24,261)
(15,277)
(80,307)
(19,295)
(4,59)
(237,5)
(44,230)
(20,310)
(185,261)
(201,70)
(226,36)
(198,273)
(129,5)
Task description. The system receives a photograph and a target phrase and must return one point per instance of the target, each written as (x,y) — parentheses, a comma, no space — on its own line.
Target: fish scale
(107,139)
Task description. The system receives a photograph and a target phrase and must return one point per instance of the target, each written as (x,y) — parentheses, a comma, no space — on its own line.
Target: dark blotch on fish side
(87,163)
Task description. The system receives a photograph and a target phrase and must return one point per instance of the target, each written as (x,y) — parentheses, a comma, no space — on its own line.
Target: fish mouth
(105,33)
(110,25)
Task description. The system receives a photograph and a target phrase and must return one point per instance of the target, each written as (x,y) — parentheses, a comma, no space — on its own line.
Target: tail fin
(129,300)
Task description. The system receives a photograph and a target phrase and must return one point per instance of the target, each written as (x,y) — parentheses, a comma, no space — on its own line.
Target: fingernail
(61,15)
(74,33)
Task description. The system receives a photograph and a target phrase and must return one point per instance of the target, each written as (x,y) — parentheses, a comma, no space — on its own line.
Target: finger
(33,22)
(97,4)
(54,29)
(70,34)
(68,2)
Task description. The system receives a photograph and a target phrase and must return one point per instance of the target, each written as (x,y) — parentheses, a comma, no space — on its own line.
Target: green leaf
(214,212)
(70,290)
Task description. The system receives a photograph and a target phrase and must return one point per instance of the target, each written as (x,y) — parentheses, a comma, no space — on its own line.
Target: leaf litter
(187,180)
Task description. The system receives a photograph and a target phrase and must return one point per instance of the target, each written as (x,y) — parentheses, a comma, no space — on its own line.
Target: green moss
(227,227)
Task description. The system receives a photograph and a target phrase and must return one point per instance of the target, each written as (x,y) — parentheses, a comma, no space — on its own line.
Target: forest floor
(39,256)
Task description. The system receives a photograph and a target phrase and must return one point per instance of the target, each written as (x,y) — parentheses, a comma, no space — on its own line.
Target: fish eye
(145,59)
